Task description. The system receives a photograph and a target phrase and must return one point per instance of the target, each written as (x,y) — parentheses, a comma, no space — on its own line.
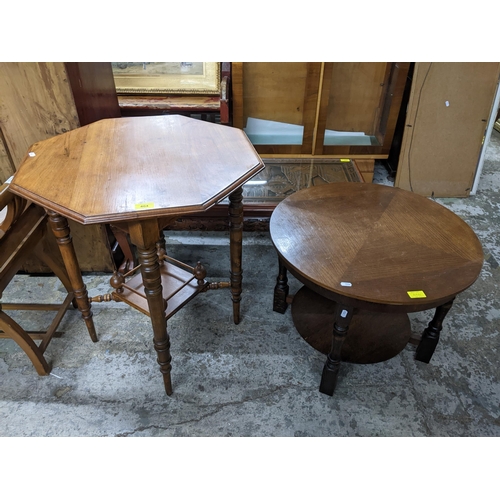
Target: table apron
(367,305)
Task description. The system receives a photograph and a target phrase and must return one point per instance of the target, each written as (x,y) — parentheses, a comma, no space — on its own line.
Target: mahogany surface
(373,336)
(140,174)
(108,170)
(365,246)
(384,241)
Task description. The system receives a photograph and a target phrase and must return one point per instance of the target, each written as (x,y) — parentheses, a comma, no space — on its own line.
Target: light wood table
(140,174)
(368,255)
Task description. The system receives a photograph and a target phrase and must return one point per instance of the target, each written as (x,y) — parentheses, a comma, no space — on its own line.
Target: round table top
(375,244)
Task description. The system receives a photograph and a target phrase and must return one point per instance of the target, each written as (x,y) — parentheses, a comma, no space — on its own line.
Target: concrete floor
(259,378)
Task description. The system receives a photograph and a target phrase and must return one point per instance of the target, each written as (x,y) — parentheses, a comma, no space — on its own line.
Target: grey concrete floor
(259,378)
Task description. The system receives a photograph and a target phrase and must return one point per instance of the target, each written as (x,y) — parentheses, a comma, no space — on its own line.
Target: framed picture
(167,78)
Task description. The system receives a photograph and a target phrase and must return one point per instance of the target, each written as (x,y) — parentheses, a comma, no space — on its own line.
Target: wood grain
(155,105)
(37,104)
(6,165)
(383,115)
(373,337)
(42,92)
(382,240)
(275,91)
(341,96)
(94,91)
(136,168)
(355,96)
(237,94)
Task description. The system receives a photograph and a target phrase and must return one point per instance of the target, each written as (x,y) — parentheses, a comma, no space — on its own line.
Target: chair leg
(24,341)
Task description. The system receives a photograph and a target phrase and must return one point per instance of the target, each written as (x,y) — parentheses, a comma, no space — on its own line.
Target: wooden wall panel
(6,165)
(36,103)
(448,111)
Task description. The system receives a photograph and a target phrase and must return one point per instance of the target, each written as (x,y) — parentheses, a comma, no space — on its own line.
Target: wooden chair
(22,232)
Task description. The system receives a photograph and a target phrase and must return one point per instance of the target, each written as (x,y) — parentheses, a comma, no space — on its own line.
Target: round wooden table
(368,255)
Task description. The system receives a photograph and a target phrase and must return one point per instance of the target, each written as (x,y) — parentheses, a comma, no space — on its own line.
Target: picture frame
(167,78)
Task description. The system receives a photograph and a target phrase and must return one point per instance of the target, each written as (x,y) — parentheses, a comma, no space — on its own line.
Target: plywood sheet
(448,111)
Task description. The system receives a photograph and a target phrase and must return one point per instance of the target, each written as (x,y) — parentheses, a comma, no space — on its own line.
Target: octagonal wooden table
(368,255)
(139,174)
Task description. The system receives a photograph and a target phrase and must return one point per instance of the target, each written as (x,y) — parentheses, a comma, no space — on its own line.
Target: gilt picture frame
(172,78)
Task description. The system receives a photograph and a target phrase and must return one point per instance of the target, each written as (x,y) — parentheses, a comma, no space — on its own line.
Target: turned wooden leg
(343,316)
(144,235)
(430,337)
(60,228)
(236,247)
(281,289)
(56,265)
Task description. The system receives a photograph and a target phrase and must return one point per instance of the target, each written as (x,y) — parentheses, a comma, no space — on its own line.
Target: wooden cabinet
(319,110)
(41,100)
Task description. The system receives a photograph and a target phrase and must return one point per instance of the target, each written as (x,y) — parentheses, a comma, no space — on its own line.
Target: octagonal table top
(121,169)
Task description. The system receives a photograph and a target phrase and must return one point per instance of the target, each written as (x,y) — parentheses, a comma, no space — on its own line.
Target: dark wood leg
(430,337)
(60,228)
(236,247)
(343,316)
(144,235)
(281,289)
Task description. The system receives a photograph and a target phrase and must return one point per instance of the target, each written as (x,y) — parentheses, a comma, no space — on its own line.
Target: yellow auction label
(417,294)
(345,159)
(142,206)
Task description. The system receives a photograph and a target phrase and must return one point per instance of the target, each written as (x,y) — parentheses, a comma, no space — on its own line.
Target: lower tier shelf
(179,287)
(371,338)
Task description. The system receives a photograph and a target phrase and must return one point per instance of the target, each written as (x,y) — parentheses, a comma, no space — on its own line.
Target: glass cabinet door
(338,109)
(279,105)
(354,99)
(359,107)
